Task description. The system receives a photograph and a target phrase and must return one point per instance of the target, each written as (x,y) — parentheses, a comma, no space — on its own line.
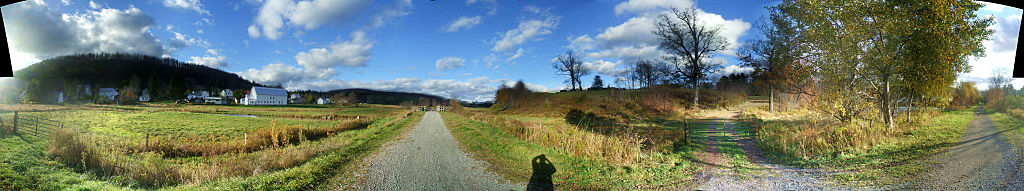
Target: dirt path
(427,158)
(981,161)
(763,176)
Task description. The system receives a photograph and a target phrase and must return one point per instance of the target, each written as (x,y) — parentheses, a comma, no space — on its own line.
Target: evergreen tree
(598,83)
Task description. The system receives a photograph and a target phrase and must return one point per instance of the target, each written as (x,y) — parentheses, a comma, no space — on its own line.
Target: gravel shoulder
(427,158)
(983,160)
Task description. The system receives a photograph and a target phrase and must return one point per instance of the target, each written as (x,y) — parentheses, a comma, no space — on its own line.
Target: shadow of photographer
(542,171)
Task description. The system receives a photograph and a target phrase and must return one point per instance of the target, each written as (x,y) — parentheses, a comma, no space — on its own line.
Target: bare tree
(691,42)
(571,65)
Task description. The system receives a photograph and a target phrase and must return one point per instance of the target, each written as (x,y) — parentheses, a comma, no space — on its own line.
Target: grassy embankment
(227,151)
(869,149)
(1011,126)
(633,138)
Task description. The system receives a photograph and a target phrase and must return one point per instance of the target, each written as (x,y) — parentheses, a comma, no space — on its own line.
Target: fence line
(34,126)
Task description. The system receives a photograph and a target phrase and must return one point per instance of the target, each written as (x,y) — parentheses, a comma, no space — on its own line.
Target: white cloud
(992,6)
(603,67)
(94,5)
(353,53)
(44,33)
(463,22)
(65,2)
(275,73)
(253,31)
(181,41)
(193,5)
(519,53)
(397,9)
(1008,30)
(212,59)
(582,42)
(526,31)
(532,9)
(735,69)
(446,63)
(647,6)
(309,15)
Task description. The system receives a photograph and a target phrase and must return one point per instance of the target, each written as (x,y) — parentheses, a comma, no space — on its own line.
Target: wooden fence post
(15,122)
(147,141)
(686,132)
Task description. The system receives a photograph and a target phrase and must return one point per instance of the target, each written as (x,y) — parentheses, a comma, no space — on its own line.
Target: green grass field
(29,163)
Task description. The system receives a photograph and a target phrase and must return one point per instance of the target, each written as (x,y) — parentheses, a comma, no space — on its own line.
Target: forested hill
(117,70)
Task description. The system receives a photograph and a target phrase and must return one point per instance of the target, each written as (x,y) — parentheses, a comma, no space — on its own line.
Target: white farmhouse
(295,98)
(109,93)
(266,96)
(322,101)
(145,96)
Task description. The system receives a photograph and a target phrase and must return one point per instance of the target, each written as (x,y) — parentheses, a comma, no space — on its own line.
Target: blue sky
(464,48)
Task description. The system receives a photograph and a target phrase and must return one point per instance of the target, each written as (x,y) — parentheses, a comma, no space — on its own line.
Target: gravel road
(428,158)
(982,161)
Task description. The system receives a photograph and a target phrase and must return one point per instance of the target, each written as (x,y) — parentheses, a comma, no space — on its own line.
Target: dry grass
(277,147)
(624,148)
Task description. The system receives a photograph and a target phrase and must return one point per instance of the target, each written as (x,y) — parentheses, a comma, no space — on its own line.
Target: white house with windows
(109,93)
(145,96)
(322,101)
(266,96)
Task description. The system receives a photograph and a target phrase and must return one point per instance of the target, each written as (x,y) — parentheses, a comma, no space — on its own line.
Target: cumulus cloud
(353,53)
(446,63)
(193,5)
(213,58)
(1000,52)
(526,31)
(1007,33)
(463,22)
(582,42)
(604,67)
(647,6)
(94,5)
(274,14)
(735,69)
(275,73)
(32,28)
(65,2)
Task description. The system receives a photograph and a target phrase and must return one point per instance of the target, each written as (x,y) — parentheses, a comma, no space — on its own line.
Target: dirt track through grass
(748,170)
(428,158)
(983,160)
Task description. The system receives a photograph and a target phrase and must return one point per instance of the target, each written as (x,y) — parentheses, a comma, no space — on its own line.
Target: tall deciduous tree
(571,65)
(691,41)
(882,52)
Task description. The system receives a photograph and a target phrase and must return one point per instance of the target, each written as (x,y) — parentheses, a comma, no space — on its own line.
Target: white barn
(322,101)
(266,96)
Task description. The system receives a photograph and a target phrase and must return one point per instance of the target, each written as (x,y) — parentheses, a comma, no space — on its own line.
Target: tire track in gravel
(427,158)
(765,176)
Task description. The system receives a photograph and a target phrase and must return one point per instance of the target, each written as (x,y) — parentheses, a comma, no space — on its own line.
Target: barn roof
(269,91)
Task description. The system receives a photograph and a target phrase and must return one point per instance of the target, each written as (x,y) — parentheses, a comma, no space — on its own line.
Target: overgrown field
(107,149)
(615,104)
(632,158)
(867,148)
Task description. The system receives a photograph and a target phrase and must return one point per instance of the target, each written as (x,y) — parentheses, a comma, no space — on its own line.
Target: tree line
(856,59)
